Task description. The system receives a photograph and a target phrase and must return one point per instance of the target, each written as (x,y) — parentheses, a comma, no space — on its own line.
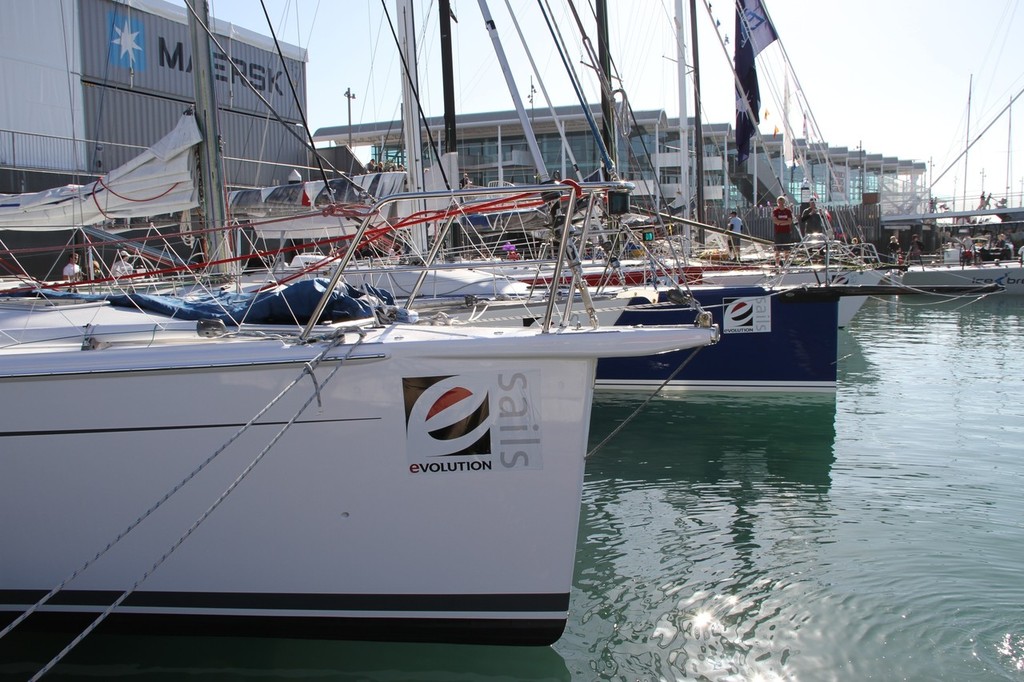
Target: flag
(754,33)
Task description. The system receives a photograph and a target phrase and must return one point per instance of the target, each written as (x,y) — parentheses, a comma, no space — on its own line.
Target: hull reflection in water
(757,430)
(224,659)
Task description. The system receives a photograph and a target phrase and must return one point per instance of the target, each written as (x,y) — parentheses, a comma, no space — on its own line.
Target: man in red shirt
(782,218)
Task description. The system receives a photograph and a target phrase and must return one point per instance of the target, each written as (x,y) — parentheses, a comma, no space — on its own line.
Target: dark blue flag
(754,32)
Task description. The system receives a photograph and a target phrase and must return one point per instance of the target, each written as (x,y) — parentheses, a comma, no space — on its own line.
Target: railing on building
(32,151)
(55,154)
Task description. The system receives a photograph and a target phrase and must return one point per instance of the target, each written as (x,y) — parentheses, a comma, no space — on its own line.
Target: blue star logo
(127,42)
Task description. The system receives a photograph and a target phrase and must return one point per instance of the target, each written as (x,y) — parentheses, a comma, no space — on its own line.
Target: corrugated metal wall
(136,120)
(136,81)
(126,48)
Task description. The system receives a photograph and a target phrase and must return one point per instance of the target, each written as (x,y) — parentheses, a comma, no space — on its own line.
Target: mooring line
(642,405)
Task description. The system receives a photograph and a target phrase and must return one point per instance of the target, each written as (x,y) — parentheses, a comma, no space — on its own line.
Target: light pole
(349,95)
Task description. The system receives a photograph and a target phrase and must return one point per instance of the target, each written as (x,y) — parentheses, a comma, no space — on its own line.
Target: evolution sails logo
(748,315)
(127,41)
(477,422)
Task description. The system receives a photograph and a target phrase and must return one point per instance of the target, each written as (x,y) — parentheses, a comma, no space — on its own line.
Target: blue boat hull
(769,342)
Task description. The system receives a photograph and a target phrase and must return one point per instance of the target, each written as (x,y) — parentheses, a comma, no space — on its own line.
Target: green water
(873,534)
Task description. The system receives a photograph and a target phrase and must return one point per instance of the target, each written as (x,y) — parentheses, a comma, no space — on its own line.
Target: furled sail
(160,180)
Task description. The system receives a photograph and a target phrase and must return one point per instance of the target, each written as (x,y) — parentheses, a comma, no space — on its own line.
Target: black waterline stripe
(179,427)
(512,603)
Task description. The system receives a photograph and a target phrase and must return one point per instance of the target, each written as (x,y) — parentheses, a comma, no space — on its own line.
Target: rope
(642,405)
(99,181)
(223,496)
(338,338)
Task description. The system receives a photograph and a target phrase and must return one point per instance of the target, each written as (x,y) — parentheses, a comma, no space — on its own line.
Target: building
(492,148)
(91,82)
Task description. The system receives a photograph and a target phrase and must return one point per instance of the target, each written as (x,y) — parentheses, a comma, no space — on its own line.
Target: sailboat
(350,477)
(970,265)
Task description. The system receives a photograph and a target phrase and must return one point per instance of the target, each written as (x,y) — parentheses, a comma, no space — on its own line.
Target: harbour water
(872,534)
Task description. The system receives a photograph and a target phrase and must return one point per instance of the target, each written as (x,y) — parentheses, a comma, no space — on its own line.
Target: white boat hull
(1010,276)
(358,523)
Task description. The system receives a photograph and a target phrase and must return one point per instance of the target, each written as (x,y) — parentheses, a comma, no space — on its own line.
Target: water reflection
(703,437)
(102,657)
(688,522)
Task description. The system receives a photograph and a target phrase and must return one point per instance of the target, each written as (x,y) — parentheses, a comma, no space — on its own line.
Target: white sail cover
(160,180)
(279,203)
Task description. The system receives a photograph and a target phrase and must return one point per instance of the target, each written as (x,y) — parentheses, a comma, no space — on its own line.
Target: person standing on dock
(810,219)
(916,250)
(735,230)
(895,251)
(782,219)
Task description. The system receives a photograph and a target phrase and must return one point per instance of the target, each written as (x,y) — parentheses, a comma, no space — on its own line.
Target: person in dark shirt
(810,218)
(916,250)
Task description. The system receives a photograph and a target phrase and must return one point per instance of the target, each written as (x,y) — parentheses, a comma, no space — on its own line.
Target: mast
(1009,150)
(445,9)
(447,70)
(410,120)
(607,112)
(211,162)
(684,127)
(967,142)
(698,133)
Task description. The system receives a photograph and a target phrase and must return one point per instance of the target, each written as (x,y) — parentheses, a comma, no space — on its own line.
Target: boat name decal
(1002,280)
(472,422)
(747,315)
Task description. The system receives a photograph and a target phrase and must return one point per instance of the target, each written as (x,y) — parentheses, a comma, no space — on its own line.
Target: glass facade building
(493,148)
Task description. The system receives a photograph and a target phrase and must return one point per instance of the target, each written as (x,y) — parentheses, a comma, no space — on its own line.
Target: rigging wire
(575,82)
(298,103)
(416,96)
(977,138)
(544,92)
(245,79)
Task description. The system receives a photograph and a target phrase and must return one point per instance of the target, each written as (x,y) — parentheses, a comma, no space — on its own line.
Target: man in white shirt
(121,266)
(72,270)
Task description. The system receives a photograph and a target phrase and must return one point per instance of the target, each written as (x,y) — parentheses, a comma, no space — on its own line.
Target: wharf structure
(858,188)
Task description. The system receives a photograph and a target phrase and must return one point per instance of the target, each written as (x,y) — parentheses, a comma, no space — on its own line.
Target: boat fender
(211,329)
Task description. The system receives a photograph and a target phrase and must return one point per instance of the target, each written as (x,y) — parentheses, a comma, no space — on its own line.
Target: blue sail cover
(294,304)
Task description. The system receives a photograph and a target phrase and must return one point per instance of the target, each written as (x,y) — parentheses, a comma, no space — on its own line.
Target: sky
(913,79)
